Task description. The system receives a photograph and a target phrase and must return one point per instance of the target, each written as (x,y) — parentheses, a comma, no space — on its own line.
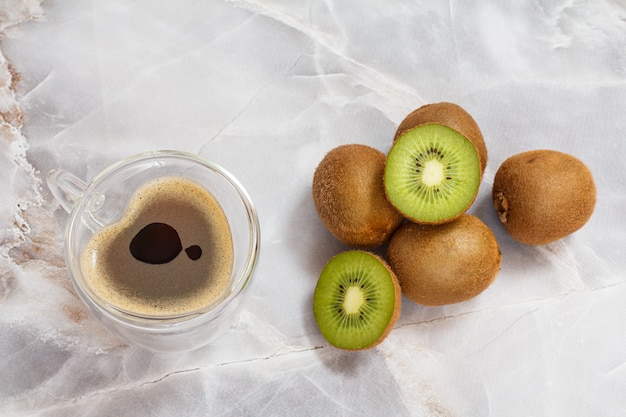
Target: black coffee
(159,243)
(171,253)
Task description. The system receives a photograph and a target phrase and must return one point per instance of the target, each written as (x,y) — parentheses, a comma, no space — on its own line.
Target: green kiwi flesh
(432,174)
(357,300)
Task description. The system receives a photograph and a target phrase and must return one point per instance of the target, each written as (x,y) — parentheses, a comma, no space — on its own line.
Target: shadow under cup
(104,201)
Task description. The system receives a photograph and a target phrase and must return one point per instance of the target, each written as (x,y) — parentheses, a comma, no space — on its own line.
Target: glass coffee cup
(113,209)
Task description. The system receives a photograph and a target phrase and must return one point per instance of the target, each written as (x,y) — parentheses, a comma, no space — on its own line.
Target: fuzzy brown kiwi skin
(543,195)
(450,115)
(349,196)
(444,264)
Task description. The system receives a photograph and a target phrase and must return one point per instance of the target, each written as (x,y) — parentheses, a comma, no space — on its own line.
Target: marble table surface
(265,88)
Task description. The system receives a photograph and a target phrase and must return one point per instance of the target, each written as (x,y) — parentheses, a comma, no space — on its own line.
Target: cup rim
(131,319)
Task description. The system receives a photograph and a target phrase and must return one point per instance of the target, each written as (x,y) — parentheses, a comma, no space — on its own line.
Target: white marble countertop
(266,88)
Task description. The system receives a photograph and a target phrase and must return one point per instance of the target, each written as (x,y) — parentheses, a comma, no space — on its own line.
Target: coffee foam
(177,287)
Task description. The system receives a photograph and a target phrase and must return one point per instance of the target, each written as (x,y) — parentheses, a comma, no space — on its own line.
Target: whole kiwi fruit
(446,263)
(450,115)
(349,196)
(543,195)
(436,163)
(357,300)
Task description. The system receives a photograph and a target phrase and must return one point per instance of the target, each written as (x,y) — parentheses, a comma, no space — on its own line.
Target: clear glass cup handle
(65,187)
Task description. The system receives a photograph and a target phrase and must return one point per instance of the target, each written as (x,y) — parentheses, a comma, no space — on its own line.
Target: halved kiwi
(357,300)
(432,174)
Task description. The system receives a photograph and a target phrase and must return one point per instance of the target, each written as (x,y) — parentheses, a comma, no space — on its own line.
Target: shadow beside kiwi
(518,259)
(343,362)
(310,247)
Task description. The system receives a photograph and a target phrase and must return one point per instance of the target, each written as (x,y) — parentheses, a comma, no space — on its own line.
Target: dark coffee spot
(157,243)
(194,252)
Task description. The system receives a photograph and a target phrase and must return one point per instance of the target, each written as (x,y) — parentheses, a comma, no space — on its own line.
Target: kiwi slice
(432,174)
(357,300)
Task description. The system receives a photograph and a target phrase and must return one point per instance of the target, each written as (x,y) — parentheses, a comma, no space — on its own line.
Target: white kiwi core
(433,173)
(353,301)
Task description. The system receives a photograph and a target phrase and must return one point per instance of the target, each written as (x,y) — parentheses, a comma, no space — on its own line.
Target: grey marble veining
(266,88)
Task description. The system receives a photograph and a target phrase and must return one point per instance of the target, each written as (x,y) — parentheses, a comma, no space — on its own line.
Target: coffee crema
(171,253)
